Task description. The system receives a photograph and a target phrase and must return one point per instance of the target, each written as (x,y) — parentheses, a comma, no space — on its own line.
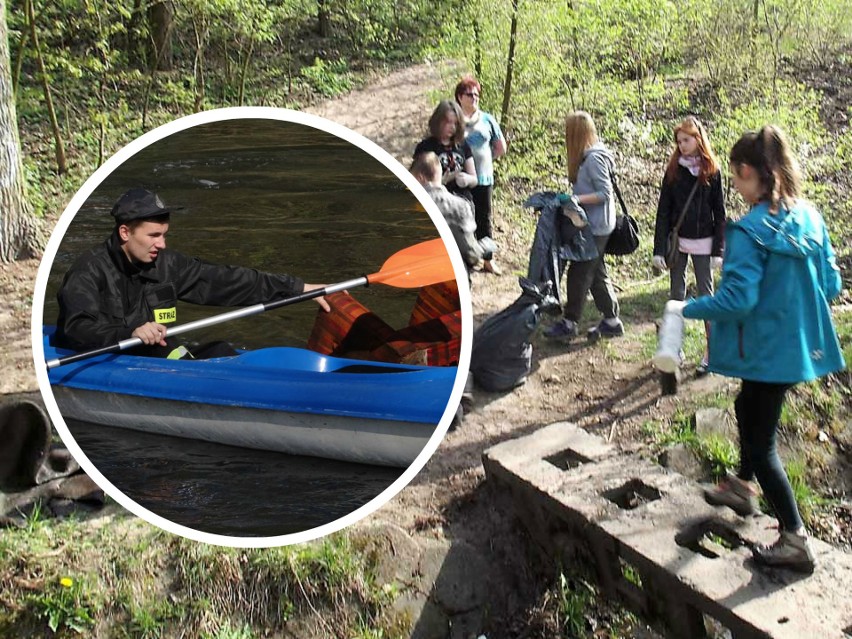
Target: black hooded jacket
(104,297)
(705,217)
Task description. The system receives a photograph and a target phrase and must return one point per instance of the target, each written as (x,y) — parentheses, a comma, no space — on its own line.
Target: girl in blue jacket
(771,326)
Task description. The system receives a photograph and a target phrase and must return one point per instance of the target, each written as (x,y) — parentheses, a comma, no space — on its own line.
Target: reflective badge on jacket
(165,315)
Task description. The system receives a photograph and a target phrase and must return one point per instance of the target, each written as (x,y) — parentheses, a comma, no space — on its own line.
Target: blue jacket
(770,318)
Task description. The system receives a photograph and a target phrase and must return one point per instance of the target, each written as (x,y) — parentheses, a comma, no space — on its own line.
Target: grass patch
(715,451)
(141,582)
(807,499)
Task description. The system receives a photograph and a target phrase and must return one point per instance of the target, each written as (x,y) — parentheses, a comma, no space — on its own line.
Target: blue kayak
(286,399)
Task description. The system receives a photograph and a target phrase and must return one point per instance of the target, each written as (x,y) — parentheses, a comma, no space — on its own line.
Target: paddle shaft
(239,313)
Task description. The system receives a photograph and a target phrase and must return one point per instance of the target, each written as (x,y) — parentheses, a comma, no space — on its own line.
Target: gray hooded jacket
(595,176)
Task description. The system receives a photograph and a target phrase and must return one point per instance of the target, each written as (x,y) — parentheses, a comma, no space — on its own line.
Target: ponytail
(768,153)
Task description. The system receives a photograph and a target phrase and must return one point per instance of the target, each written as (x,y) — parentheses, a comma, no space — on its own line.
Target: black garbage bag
(502,352)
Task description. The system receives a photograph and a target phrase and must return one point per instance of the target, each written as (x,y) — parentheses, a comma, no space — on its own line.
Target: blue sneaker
(563,329)
(604,329)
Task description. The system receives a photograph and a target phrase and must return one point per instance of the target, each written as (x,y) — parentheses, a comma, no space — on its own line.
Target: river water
(279,197)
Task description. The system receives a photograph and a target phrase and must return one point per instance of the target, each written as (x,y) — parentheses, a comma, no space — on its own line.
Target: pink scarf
(693,163)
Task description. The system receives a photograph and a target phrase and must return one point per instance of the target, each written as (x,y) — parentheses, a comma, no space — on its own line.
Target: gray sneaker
(605,329)
(790,551)
(734,493)
(562,330)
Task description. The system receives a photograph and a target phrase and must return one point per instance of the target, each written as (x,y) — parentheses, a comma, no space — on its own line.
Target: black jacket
(104,297)
(705,217)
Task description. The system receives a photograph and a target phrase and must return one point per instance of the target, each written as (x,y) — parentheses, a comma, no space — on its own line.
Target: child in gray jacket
(457,211)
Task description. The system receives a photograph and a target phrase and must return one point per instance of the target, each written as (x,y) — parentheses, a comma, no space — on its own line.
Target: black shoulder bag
(624,239)
(672,239)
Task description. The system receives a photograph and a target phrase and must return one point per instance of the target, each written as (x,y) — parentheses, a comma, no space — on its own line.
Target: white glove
(675,306)
(715,263)
(465,180)
(659,262)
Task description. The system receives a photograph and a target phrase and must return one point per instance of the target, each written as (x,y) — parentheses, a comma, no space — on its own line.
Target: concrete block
(680,459)
(692,558)
(714,421)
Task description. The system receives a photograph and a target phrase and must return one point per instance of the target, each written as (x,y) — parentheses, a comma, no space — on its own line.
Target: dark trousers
(758,409)
(703,276)
(590,275)
(482,210)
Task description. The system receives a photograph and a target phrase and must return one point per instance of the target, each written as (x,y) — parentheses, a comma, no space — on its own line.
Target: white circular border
(218,115)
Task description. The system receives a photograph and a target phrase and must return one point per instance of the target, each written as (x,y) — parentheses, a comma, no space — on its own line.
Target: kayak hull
(282,399)
(351,439)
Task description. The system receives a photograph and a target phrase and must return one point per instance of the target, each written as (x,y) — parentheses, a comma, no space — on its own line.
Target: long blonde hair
(580,134)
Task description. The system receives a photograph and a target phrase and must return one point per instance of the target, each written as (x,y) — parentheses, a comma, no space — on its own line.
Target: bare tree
(20,232)
(160,19)
(323,21)
(58,144)
(510,64)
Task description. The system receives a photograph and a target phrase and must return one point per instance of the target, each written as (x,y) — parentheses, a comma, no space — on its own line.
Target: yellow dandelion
(66,582)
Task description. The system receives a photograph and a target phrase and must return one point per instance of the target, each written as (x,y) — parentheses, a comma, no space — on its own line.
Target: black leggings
(482,210)
(758,408)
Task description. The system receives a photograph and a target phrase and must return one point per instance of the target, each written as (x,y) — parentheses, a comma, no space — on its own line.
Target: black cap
(138,204)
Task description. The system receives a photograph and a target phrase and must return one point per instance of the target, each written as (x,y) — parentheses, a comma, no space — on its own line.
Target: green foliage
(574,598)
(631,574)
(718,453)
(795,108)
(146,584)
(63,604)
(328,78)
(808,501)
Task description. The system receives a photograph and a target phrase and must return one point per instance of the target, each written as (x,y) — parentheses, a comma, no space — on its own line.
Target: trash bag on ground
(502,353)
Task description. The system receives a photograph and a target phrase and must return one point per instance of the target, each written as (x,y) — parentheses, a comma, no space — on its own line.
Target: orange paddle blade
(419,265)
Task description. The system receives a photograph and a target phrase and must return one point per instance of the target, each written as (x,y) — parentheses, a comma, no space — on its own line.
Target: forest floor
(608,388)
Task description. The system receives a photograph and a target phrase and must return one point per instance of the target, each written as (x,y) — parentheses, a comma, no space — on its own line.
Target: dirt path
(17,281)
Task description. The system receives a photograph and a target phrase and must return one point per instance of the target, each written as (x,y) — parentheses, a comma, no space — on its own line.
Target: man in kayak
(129,285)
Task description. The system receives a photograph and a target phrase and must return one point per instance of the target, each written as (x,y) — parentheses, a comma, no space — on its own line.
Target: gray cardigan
(458,213)
(595,176)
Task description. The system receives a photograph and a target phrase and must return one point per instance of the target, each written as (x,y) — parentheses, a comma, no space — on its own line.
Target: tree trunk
(477,51)
(510,65)
(160,16)
(200,31)
(323,24)
(22,48)
(244,72)
(59,146)
(20,232)
(135,46)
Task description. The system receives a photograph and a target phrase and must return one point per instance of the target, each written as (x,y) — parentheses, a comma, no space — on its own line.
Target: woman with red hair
(486,142)
(692,200)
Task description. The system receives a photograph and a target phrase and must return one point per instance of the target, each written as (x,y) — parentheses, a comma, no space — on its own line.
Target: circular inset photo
(249,329)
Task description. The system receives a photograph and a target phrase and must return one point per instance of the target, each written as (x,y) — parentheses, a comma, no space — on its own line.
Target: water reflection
(227,490)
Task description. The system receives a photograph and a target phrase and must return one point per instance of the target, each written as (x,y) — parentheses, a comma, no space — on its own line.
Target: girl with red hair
(486,142)
(691,200)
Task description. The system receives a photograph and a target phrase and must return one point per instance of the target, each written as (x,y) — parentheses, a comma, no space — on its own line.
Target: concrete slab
(655,543)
